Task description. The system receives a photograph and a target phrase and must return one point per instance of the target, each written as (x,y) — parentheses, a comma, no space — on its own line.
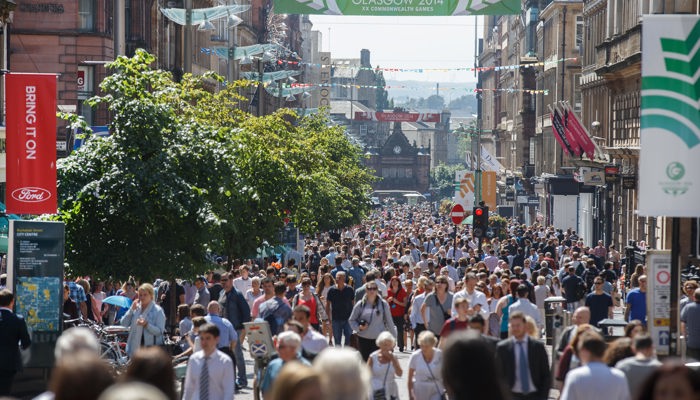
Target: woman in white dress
(424,370)
(385,368)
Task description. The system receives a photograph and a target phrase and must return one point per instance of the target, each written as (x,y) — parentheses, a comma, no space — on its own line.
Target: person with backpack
(276,311)
(458,323)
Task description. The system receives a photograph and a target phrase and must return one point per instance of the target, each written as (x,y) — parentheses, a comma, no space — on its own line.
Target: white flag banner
(669,170)
(488,161)
(464,189)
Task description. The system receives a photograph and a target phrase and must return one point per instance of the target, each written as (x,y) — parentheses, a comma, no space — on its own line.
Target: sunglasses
(371,289)
(224,280)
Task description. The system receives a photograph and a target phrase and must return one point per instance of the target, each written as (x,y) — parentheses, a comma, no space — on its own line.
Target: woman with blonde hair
(424,370)
(385,368)
(145,319)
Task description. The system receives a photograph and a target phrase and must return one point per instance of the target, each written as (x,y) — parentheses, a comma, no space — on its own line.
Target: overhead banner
(398,7)
(488,161)
(31,143)
(396,117)
(669,171)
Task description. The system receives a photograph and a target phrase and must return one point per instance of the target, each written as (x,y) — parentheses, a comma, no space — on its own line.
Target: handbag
(443,394)
(380,394)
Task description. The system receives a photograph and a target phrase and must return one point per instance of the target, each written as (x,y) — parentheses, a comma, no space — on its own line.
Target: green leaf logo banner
(398,7)
(670,102)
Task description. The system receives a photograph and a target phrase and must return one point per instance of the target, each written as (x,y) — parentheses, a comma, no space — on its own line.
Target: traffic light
(480,221)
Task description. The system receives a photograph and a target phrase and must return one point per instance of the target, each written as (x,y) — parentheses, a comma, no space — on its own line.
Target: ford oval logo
(31,194)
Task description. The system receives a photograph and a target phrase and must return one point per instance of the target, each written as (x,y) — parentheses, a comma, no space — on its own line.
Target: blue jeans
(240,362)
(341,328)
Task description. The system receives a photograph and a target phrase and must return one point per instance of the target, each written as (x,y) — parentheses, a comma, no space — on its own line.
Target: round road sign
(457,214)
(663,277)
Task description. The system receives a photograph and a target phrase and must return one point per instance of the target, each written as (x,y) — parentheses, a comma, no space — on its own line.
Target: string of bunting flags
(222,53)
(421,70)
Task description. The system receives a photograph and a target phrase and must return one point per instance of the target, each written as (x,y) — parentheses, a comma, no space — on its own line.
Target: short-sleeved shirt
(341,302)
(77,293)
(397,310)
(691,317)
(453,325)
(570,285)
(598,304)
(638,301)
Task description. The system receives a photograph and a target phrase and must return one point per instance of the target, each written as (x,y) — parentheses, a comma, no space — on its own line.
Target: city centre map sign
(398,7)
(35,270)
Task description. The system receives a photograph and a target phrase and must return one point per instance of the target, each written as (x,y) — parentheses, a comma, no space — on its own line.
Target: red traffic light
(478,212)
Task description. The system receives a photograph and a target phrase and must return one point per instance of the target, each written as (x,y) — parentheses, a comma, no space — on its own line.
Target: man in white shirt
(209,371)
(477,300)
(312,342)
(586,382)
(491,261)
(243,283)
(452,271)
(525,306)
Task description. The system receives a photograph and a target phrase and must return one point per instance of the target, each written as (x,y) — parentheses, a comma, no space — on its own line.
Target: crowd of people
(471,315)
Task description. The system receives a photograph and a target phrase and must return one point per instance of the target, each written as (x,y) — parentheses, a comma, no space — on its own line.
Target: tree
(435,102)
(442,178)
(126,208)
(186,172)
(381,93)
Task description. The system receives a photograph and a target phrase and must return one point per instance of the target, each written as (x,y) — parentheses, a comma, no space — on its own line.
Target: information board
(35,272)
(659,299)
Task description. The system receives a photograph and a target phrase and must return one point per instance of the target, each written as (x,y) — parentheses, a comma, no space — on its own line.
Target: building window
(579,32)
(576,84)
(363,129)
(86,14)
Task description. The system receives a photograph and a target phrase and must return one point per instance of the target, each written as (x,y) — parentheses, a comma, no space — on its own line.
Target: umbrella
(469,220)
(119,301)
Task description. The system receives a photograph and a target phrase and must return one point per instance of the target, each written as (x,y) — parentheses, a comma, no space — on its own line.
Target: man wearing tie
(209,371)
(13,330)
(523,362)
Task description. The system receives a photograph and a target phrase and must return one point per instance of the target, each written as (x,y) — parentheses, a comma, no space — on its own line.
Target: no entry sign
(457,214)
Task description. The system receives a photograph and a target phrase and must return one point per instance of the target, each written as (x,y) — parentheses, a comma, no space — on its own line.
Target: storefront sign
(629,182)
(669,161)
(398,7)
(612,173)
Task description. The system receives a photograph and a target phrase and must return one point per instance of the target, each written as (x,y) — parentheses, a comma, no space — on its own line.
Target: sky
(404,42)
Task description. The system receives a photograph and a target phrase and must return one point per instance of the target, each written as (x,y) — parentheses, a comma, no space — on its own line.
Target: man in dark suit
(523,362)
(13,330)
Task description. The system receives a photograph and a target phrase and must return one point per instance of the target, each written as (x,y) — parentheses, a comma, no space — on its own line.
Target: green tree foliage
(465,102)
(381,92)
(442,178)
(185,172)
(435,102)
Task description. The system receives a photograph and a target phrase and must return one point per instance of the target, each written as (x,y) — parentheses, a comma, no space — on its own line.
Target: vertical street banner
(464,189)
(325,100)
(488,188)
(669,171)
(559,132)
(575,129)
(31,143)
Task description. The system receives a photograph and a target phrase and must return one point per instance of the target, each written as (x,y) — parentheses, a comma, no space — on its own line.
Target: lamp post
(187,53)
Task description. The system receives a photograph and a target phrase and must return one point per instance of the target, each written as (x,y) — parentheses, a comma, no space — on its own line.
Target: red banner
(396,117)
(31,143)
(573,126)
